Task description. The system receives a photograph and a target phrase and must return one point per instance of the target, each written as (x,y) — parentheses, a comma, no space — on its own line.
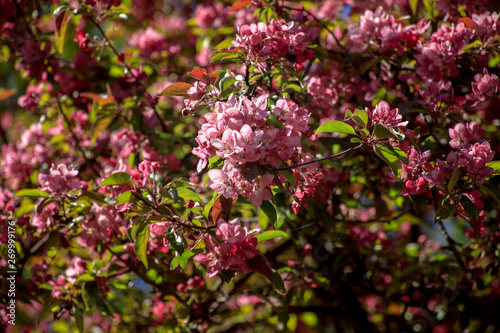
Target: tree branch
(318,159)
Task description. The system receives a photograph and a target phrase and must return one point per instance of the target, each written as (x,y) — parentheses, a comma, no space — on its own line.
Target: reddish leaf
(231,49)
(260,264)
(240,4)
(60,32)
(221,209)
(6,93)
(467,21)
(249,171)
(198,73)
(176,89)
(101,100)
(211,78)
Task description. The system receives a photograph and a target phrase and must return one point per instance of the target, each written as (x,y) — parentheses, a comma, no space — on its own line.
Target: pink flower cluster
(486,24)
(195,96)
(325,93)
(484,85)
(469,157)
(150,42)
(238,133)
(437,58)
(235,245)
(381,29)
(383,114)
(278,39)
(60,181)
(439,98)
(307,180)
(210,16)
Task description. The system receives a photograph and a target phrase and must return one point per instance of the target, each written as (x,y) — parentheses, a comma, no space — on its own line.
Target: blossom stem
(451,244)
(90,162)
(318,159)
(155,207)
(98,26)
(346,52)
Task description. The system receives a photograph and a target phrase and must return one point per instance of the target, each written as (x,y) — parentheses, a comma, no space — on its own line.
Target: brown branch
(346,52)
(119,55)
(452,245)
(155,207)
(318,159)
(90,162)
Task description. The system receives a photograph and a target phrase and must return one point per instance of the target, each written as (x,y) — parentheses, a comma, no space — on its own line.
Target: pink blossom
(59,181)
(384,115)
(210,16)
(260,190)
(236,245)
(484,85)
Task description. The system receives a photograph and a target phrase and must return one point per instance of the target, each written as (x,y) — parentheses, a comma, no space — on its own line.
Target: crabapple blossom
(235,245)
(383,114)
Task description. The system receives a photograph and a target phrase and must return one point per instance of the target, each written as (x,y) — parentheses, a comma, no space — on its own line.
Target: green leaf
(118,178)
(176,241)
(457,174)
(102,122)
(48,309)
(390,158)
(226,93)
(495,165)
(141,245)
(401,155)
(186,194)
(474,44)
(223,56)
(445,209)
(24,209)
(360,117)
(86,295)
(95,197)
(176,89)
(43,204)
(382,131)
(276,123)
(355,139)
(278,282)
(268,208)
(181,260)
(469,206)
(126,197)
(336,127)
(290,177)
(31,192)
(270,234)
(227,275)
(260,264)
(227,82)
(293,87)
(490,191)
(413,6)
(85,278)
(227,43)
(209,205)
(79,319)
(60,32)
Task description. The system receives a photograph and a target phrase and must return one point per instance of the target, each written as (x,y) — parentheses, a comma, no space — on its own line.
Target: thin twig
(162,123)
(451,244)
(346,52)
(90,162)
(318,159)
(155,207)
